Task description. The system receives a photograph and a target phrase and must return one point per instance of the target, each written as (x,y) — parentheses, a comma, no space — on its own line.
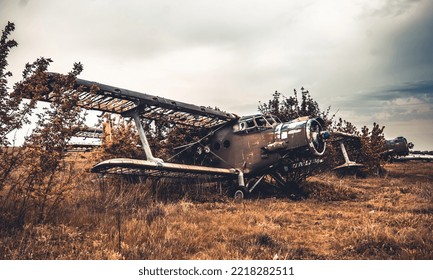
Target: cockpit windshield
(256,123)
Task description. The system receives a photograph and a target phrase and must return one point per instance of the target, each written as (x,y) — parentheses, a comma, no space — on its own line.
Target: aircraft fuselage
(257,143)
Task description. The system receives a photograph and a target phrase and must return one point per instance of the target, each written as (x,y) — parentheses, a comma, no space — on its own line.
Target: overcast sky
(370,60)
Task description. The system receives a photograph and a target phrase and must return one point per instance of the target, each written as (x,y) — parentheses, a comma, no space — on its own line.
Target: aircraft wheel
(240,193)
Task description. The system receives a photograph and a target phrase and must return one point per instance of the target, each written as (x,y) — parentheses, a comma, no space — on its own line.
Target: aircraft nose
(304,134)
(316,137)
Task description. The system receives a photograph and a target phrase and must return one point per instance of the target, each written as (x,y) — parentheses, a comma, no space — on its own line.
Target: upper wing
(126,102)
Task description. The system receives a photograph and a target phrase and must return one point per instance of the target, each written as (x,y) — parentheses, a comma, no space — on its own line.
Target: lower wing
(138,167)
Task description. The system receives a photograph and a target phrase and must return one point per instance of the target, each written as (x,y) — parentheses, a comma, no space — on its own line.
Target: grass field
(388,217)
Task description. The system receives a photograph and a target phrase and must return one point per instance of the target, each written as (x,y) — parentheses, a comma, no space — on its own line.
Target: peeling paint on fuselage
(243,151)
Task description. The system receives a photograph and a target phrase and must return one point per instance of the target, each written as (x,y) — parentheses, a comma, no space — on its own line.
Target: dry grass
(371,218)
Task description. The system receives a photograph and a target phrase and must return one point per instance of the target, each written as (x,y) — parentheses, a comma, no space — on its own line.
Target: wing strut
(347,162)
(158,161)
(143,138)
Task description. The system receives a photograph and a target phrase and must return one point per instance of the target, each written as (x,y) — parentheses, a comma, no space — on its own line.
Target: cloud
(365,58)
(419,89)
(405,101)
(24,2)
(389,8)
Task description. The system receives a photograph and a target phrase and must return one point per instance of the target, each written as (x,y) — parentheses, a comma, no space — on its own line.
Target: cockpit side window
(250,123)
(242,125)
(260,121)
(270,120)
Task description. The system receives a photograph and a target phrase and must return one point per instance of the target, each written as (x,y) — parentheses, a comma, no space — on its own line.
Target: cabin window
(216,146)
(272,119)
(260,121)
(226,144)
(250,123)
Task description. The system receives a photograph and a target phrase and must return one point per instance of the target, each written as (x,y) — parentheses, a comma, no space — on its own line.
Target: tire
(240,193)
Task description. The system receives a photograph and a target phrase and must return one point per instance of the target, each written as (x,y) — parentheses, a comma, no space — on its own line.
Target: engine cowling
(302,133)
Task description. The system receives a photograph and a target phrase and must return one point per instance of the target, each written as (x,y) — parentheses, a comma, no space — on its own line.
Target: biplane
(397,147)
(249,150)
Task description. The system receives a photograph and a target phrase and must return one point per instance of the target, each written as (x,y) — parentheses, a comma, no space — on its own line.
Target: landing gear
(348,167)
(272,184)
(238,193)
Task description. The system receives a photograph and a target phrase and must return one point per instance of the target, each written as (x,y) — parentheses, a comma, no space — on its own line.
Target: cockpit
(254,123)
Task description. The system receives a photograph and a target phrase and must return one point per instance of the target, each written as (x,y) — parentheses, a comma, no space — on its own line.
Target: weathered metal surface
(255,145)
(243,151)
(302,132)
